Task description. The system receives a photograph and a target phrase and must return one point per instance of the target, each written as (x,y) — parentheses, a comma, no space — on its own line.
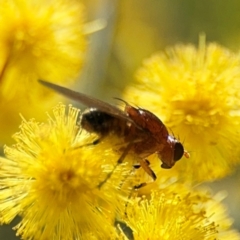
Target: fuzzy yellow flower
(52,177)
(177,216)
(38,39)
(196,92)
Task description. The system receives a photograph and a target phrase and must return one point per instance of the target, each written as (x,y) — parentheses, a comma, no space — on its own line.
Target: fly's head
(172,152)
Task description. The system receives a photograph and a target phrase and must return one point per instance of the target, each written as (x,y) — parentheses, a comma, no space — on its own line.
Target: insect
(144,132)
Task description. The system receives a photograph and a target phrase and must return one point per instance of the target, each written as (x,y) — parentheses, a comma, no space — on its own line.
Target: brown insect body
(144,131)
(155,137)
(143,143)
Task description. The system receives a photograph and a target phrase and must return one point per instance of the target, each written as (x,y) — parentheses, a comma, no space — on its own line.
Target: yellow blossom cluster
(52,177)
(195,91)
(67,181)
(38,39)
(64,186)
(174,215)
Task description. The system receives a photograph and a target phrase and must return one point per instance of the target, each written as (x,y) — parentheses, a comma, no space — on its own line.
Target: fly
(144,133)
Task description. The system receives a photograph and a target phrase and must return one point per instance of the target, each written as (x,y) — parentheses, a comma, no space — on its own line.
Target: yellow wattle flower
(51,178)
(175,216)
(38,40)
(196,93)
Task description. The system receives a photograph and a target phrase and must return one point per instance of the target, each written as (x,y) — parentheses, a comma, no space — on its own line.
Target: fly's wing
(88,100)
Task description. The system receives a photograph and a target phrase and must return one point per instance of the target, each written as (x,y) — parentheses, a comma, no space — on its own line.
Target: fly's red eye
(178,151)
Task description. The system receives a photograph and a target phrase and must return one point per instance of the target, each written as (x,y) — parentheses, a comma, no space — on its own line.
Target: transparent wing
(89,101)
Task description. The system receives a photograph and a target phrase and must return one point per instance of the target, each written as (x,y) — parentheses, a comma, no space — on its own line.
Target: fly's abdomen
(94,120)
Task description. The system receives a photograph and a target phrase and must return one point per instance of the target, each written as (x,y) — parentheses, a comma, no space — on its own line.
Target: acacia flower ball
(195,91)
(174,216)
(51,178)
(38,40)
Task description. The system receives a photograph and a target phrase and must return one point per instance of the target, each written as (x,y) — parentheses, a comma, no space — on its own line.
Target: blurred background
(135,30)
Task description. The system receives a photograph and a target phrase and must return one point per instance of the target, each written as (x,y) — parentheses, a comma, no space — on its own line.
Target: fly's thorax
(148,122)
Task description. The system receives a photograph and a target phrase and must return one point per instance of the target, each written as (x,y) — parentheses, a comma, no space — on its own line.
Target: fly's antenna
(121,100)
(125,102)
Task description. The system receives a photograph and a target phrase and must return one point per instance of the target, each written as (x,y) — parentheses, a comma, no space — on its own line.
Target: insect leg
(125,152)
(94,142)
(120,160)
(138,165)
(144,163)
(140,185)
